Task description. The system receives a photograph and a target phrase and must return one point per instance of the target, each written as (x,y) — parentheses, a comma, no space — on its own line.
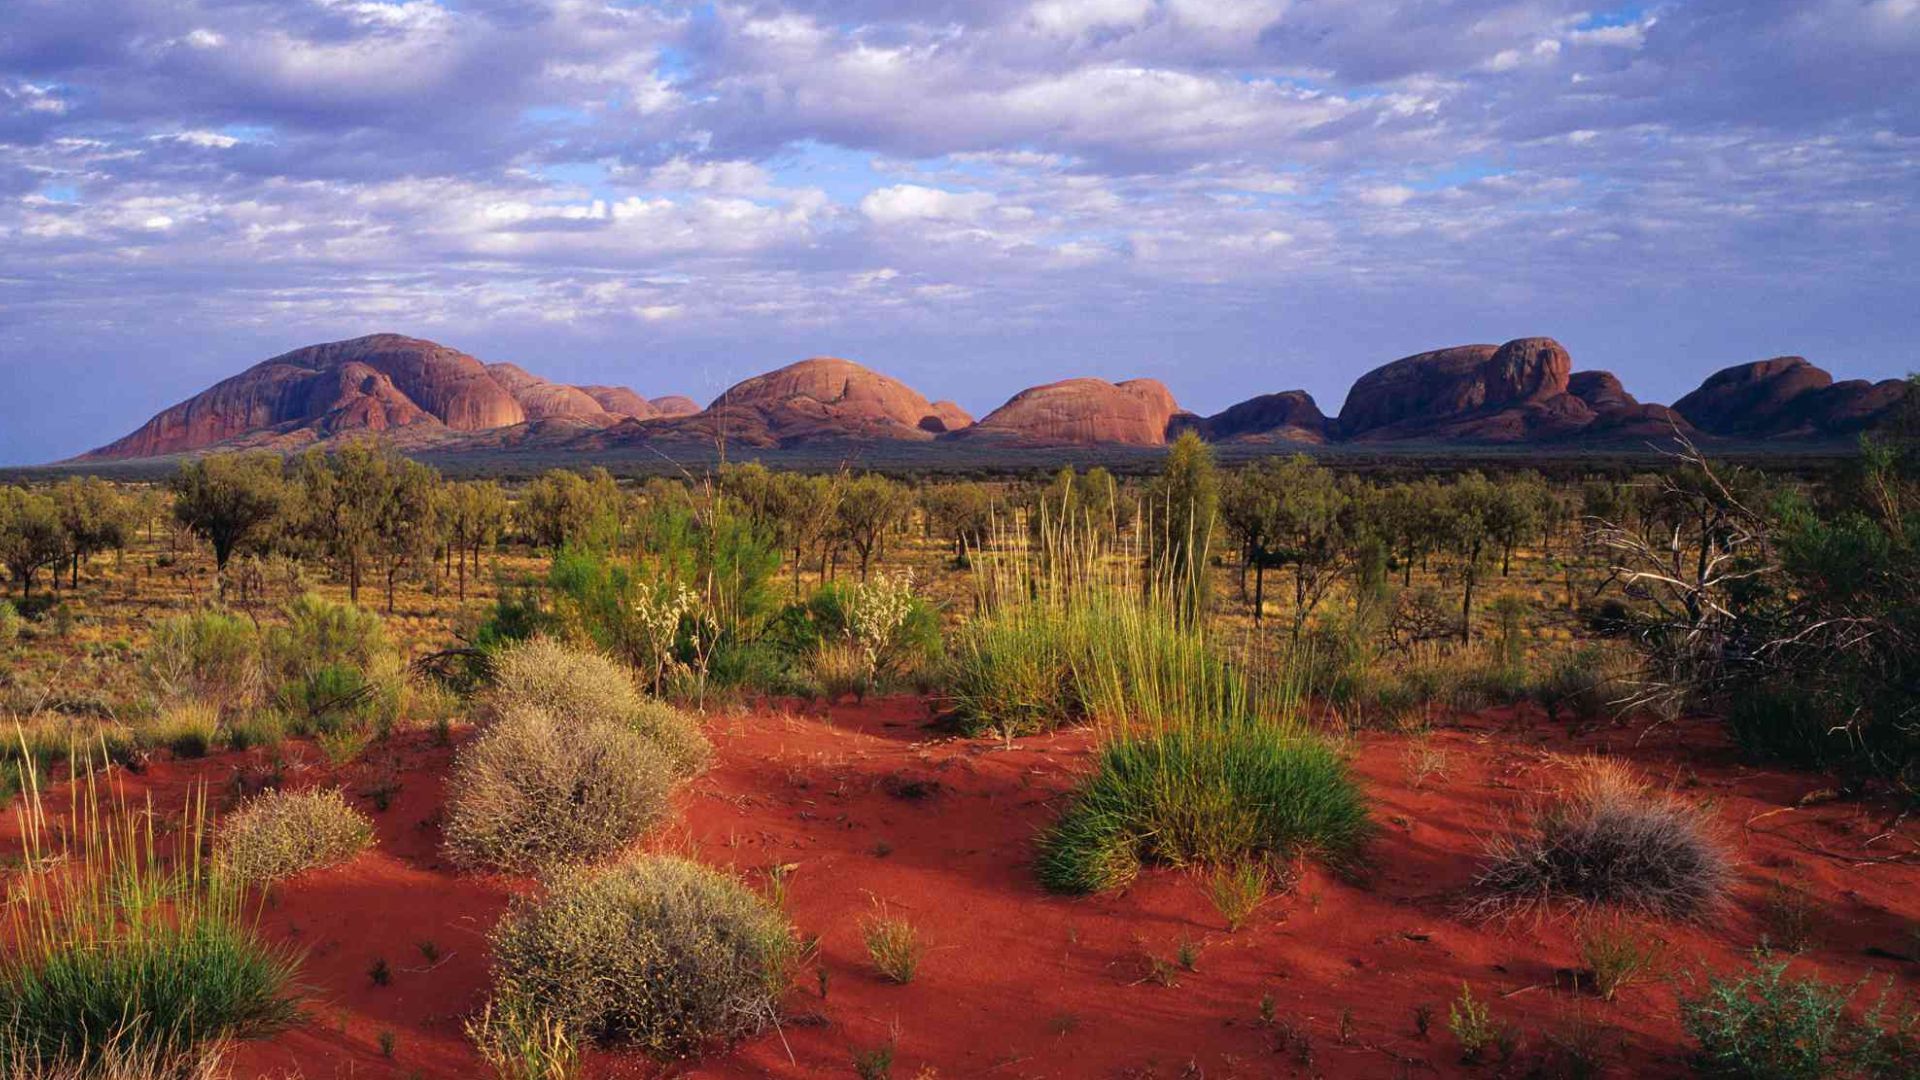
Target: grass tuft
(278,834)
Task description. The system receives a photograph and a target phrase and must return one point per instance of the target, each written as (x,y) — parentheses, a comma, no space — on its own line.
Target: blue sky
(1234,196)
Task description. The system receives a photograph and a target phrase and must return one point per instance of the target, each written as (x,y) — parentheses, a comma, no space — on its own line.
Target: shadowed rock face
(1083,412)
(675,405)
(381,382)
(1786,396)
(1468,391)
(1601,390)
(1289,416)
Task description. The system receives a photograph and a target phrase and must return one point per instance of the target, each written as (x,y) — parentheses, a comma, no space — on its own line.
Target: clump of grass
(1424,761)
(1204,795)
(187,728)
(840,669)
(661,954)
(576,686)
(1763,1025)
(127,920)
(892,944)
(1619,954)
(1238,889)
(1610,840)
(266,729)
(519,1042)
(278,834)
(531,791)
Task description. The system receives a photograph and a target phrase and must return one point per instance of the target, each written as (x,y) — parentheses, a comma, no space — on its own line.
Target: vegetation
(576,686)
(533,791)
(661,954)
(1610,840)
(892,944)
(278,834)
(1762,1025)
(140,956)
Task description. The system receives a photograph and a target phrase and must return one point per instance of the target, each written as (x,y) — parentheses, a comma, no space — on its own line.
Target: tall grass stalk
(127,949)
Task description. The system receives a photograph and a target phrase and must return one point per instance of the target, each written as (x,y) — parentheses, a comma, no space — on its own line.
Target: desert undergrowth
(130,952)
(1203,759)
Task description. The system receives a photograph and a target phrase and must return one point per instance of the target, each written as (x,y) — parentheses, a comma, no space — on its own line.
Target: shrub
(840,668)
(1212,796)
(662,954)
(212,656)
(1618,954)
(1237,890)
(265,728)
(1011,673)
(128,922)
(1610,840)
(519,1042)
(10,624)
(532,790)
(278,834)
(1472,1024)
(576,686)
(187,728)
(1764,1026)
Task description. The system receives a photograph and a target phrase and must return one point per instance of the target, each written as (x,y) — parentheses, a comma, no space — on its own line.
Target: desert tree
(95,516)
(959,513)
(871,508)
(30,535)
(808,507)
(231,501)
(477,514)
(406,520)
(1249,508)
(562,508)
(1469,509)
(1514,515)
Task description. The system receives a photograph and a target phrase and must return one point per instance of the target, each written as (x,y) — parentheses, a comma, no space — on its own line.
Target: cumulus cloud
(1196,189)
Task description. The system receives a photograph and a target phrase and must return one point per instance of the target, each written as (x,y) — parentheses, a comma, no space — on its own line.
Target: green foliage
(1204,794)
(278,834)
(892,944)
(230,500)
(1762,1025)
(532,791)
(211,656)
(660,954)
(1619,954)
(10,623)
(30,535)
(331,667)
(136,953)
(1183,507)
(1472,1025)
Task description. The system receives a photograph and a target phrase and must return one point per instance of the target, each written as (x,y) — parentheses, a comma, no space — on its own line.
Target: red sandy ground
(868,805)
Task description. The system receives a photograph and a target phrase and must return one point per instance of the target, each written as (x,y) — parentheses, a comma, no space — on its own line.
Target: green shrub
(577,686)
(1609,840)
(278,834)
(532,790)
(661,954)
(212,656)
(134,956)
(1782,721)
(1011,673)
(10,624)
(1587,682)
(265,728)
(1196,795)
(1761,1025)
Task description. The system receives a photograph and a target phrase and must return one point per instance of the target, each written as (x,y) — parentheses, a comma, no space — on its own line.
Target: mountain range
(427,396)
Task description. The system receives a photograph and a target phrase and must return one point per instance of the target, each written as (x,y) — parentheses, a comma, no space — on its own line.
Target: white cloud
(911,202)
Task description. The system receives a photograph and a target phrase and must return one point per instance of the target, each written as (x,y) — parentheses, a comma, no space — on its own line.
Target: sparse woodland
(1196,714)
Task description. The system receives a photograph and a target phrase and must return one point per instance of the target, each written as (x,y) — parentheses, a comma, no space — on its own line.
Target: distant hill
(426,396)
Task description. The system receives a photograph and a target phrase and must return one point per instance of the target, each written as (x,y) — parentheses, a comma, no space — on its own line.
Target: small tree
(95,517)
(1185,502)
(871,507)
(229,500)
(477,512)
(30,535)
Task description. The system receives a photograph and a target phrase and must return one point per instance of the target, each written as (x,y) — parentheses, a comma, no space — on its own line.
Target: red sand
(869,806)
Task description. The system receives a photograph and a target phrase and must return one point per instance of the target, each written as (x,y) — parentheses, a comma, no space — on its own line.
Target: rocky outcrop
(543,400)
(1082,412)
(1493,393)
(1786,397)
(816,400)
(1289,416)
(620,402)
(675,405)
(381,382)
(946,417)
(1601,390)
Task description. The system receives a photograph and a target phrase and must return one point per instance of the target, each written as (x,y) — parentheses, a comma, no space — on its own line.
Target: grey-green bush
(278,834)
(661,954)
(575,685)
(531,791)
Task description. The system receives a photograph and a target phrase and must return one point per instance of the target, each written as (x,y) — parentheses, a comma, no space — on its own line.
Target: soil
(867,806)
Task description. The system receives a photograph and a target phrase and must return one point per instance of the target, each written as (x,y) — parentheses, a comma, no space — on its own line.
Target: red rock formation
(946,417)
(824,398)
(619,401)
(675,405)
(1786,396)
(307,388)
(1460,393)
(543,400)
(1289,416)
(1083,412)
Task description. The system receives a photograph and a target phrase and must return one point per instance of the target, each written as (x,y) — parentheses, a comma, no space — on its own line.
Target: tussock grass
(278,834)
(1610,840)
(532,790)
(129,955)
(577,686)
(188,728)
(661,954)
(892,944)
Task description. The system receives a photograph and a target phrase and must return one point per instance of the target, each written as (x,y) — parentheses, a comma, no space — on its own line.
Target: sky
(1232,196)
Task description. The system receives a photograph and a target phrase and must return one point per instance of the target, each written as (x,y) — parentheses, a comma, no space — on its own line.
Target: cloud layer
(1233,195)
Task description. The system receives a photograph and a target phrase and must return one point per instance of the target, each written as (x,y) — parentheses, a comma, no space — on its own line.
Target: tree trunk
(353,582)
